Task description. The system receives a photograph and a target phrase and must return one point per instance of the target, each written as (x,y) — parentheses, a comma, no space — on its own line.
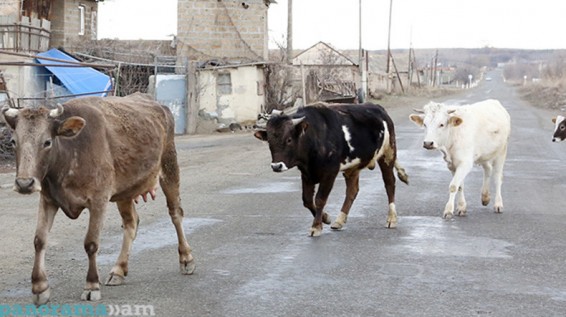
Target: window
(224,84)
(81,19)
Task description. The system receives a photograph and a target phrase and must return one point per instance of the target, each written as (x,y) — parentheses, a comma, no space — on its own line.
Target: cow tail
(401,174)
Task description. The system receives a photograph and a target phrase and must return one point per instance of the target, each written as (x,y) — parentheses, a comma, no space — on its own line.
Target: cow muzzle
(429,145)
(27,185)
(279,167)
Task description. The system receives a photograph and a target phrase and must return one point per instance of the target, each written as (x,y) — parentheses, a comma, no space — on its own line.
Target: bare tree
(280,91)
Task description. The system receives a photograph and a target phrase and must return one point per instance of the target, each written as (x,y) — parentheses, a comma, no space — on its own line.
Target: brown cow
(86,153)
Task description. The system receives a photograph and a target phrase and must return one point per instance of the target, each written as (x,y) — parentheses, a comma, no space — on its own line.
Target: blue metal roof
(78,80)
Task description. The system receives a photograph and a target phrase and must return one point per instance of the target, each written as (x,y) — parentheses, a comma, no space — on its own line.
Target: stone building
(34,26)
(227,42)
(223,29)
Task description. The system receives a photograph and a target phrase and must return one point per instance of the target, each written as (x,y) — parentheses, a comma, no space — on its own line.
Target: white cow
(476,133)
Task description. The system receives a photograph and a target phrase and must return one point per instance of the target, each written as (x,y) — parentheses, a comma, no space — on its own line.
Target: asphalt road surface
(248,229)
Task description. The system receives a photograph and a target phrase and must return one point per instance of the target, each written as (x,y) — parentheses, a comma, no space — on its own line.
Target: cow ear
(261,135)
(418,119)
(554,120)
(70,127)
(455,121)
(302,127)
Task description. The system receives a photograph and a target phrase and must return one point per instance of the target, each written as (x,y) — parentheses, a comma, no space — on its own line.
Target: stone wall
(222,29)
(65,22)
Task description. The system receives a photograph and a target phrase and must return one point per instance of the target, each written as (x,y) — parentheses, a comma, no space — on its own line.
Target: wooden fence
(24,35)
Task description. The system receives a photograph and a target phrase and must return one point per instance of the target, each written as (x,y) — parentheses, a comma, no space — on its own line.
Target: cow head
(34,135)
(283,133)
(437,120)
(559,129)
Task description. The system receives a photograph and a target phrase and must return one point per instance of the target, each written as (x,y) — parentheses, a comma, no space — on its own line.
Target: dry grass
(550,94)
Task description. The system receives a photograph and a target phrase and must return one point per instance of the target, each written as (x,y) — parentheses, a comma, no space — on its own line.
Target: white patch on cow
(74,163)
(559,120)
(346,165)
(348,137)
(385,145)
(280,166)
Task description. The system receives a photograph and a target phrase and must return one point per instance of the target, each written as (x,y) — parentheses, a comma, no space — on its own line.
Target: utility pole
(362,90)
(290,31)
(360,38)
(389,37)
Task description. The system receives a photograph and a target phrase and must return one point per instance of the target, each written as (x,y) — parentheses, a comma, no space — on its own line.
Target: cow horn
(418,110)
(57,111)
(451,111)
(10,112)
(297,120)
(276,112)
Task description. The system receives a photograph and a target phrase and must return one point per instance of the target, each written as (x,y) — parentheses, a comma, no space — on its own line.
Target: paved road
(249,230)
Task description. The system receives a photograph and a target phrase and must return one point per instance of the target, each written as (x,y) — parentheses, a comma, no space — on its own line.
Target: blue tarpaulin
(78,80)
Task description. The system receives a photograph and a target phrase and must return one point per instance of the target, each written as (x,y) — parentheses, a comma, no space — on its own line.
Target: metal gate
(171,90)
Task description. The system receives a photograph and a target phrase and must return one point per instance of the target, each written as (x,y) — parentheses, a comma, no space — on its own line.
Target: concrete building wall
(222,29)
(238,100)
(23,82)
(9,7)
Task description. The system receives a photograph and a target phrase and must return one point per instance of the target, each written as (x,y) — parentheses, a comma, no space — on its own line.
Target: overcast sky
(539,24)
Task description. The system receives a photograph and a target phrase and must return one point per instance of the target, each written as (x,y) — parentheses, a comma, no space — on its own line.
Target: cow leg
(485,197)
(498,167)
(352,178)
(169,182)
(39,284)
(130,221)
(462,205)
(91,291)
(457,180)
(389,183)
(324,189)
(308,199)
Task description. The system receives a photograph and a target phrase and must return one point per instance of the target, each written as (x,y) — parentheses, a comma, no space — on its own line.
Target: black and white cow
(559,129)
(323,140)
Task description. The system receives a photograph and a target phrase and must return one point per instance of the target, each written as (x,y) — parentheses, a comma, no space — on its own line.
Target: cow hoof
(189,267)
(315,232)
(462,213)
(91,295)
(339,221)
(485,199)
(336,225)
(42,298)
(448,215)
(325,218)
(115,280)
(498,209)
(392,224)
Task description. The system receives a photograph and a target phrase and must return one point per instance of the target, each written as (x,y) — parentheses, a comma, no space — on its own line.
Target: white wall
(23,81)
(244,101)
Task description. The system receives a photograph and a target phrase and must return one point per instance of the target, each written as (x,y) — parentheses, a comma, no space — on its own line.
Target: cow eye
(289,141)
(12,142)
(47,143)
(441,125)
(562,127)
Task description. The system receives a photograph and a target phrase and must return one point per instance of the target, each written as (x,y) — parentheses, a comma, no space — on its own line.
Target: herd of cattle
(90,151)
